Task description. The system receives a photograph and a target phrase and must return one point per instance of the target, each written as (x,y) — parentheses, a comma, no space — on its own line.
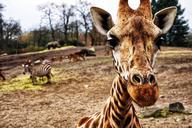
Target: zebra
(1,75)
(43,69)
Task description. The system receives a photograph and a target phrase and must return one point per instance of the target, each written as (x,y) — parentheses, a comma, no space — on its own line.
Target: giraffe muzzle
(138,79)
(143,88)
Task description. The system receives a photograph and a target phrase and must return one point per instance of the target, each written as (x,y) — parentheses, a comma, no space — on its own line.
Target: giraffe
(134,41)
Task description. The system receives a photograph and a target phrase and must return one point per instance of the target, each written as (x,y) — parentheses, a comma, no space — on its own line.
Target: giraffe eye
(113,41)
(159,42)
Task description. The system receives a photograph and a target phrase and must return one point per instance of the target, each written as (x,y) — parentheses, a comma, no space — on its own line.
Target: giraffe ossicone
(133,41)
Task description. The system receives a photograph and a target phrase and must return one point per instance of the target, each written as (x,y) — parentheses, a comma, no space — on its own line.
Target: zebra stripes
(118,112)
(40,70)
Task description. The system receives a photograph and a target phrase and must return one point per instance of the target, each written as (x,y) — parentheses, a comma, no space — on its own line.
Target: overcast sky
(26,12)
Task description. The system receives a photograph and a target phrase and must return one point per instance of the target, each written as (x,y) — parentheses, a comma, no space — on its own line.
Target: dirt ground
(82,88)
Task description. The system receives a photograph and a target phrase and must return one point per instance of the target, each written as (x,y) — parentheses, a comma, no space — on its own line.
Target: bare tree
(74,29)
(40,36)
(49,13)
(66,14)
(11,30)
(1,22)
(77,22)
(83,9)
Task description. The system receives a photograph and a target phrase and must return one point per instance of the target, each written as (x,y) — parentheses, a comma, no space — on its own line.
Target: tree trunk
(65,32)
(77,30)
(51,26)
(86,35)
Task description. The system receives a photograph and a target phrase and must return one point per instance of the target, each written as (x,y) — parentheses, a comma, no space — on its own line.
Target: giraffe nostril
(136,79)
(151,79)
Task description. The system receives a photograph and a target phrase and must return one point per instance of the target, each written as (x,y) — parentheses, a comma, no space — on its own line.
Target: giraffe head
(134,41)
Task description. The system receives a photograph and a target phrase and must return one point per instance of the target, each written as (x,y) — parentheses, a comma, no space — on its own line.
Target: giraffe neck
(120,111)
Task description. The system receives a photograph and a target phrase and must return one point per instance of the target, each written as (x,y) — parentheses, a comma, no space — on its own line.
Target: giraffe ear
(164,18)
(102,20)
